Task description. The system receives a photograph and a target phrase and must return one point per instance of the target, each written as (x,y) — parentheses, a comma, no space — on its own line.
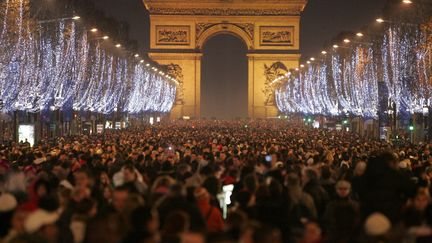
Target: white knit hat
(38,219)
(377,224)
(7,202)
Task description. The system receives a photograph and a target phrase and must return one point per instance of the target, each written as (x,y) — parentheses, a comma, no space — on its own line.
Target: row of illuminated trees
(364,74)
(61,64)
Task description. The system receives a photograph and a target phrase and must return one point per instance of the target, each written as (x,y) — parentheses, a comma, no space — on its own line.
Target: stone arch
(230,29)
(179,29)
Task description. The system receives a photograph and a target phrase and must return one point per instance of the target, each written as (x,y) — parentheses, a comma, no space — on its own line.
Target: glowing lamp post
(76,17)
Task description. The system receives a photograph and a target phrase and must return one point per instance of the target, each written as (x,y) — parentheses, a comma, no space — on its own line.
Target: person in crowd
(419,209)
(313,188)
(383,188)
(312,233)
(165,183)
(212,215)
(134,178)
(302,203)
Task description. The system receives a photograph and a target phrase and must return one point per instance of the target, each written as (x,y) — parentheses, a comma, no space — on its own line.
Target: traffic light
(345,122)
(411,128)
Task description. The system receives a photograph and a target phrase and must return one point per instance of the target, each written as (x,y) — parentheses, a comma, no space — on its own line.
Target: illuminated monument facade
(270,29)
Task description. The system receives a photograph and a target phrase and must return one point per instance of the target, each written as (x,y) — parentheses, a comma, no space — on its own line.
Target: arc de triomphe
(269,28)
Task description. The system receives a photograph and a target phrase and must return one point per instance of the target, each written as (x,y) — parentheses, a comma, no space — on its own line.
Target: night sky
(224,77)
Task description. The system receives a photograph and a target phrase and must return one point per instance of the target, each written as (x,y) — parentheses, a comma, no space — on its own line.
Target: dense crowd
(165,183)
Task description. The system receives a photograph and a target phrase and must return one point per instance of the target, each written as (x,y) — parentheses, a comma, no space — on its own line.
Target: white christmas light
(56,67)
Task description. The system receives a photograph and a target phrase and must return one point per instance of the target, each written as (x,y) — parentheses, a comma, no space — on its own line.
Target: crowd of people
(164,183)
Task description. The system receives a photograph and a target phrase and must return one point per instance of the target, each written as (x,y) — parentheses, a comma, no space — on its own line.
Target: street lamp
(59,19)
(356,42)
(105,38)
(94,30)
(379,20)
(359,34)
(335,47)
(407,2)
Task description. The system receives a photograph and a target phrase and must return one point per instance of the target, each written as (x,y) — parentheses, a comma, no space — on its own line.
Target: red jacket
(212,216)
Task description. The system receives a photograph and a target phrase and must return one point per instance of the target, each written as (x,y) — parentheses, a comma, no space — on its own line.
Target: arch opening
(224,79)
